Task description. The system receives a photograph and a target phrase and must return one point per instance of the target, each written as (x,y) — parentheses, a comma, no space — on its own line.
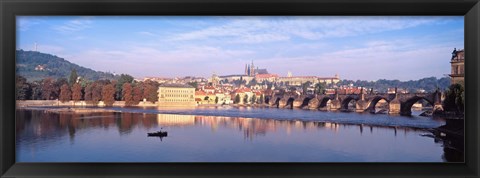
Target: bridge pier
(313,104)
(297,103)
(282,103)
(361,106)
(335,105)
(394,107)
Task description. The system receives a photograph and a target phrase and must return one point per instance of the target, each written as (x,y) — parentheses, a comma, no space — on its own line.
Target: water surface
(232,135)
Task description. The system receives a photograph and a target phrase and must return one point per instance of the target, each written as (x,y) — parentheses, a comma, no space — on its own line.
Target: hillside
(36,66)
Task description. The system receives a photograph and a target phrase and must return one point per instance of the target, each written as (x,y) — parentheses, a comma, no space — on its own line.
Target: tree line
(429,84)
(108,91)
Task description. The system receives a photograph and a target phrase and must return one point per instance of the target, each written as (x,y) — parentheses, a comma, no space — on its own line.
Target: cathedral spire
(246,69)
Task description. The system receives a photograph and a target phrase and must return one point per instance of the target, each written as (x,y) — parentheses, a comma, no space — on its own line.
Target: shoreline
(83,110)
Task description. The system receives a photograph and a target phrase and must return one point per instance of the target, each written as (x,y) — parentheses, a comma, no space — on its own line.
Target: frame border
(11,8)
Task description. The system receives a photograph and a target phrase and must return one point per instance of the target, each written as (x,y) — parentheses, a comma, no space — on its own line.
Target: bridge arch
(290,103)
(346,101)
(324,102)
(267,99)
(406,108)
(373,103)
(305,101)
(277,102)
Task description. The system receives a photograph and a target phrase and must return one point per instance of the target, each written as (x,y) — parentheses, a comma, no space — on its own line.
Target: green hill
(36,66)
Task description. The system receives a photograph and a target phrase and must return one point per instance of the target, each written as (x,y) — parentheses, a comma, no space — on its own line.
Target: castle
(251,71)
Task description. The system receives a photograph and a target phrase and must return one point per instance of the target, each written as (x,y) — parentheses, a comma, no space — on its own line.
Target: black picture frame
(11,8)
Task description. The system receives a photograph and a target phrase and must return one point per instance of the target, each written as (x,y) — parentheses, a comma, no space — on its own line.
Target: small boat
(158,134)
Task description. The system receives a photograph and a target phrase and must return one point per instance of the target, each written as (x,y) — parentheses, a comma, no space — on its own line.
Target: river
(224,134)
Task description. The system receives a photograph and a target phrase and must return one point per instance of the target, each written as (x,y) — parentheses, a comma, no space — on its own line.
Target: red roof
(200,92)
(209,88)
(242,90)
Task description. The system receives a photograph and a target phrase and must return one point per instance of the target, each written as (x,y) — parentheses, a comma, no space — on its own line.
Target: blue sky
(357,47)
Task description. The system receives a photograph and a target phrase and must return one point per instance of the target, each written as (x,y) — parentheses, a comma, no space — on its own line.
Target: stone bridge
(398,103)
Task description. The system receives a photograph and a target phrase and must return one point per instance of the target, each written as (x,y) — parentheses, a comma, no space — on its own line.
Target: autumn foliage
(48,89)
(150,91)
(127,94)
(97,88)
(76,92)
(90,91)
(65,93)
(108,94)
(137,93)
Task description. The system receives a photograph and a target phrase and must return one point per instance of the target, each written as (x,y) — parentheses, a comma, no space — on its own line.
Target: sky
(354,47)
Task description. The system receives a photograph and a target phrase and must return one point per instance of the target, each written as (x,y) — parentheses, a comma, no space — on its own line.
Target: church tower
(246,69)
(252,70)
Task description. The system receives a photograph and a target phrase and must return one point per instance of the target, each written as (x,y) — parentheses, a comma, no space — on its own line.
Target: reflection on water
(122,137)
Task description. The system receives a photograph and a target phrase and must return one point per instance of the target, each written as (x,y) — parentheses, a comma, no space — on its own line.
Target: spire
(252,69)
(246,69)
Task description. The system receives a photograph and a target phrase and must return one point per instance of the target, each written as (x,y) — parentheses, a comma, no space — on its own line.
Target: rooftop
(176,85)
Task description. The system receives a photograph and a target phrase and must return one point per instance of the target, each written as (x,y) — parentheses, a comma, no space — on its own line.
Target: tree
(193,84)
(73,77)
(216,100)
(319,88)
(76,92)
(127,94)
(47,88)
(237,99)
(97,88)
(137,93)
(65,93)
(88,92)
(455,99)
(150,91)
(108,94)
(252,82)
(24,90)
(124,78)
(57,85)
(36,90)
(305,86)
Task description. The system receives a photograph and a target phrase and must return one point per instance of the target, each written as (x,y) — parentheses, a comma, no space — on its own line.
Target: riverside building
(176,95)
(458,66)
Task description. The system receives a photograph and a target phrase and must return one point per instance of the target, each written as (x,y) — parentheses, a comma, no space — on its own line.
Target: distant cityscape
(256,83)
(255,86)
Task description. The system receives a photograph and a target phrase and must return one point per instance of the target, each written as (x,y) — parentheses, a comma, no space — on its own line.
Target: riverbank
(79,110)
(36,103)
(452,127)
